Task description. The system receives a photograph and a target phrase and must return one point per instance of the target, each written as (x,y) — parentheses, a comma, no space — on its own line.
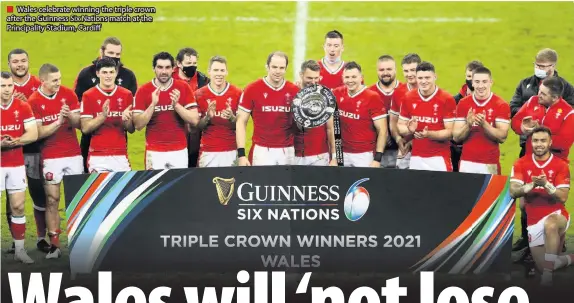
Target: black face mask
(116,60)
(189,71)
(469,84)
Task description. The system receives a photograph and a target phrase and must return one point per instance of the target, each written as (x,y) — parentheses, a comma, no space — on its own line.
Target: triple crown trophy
(312,107)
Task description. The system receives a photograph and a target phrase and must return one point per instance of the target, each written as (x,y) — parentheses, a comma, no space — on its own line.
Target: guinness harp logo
(224,189)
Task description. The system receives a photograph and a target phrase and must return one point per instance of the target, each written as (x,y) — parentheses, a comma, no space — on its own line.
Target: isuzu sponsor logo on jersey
(426,119)
(349,115)
(163,108)
(115,114)
(50,118)
(276,109)
(11,127)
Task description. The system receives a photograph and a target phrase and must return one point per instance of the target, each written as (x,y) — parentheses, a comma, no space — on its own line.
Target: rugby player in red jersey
(163,106)
(427,114)
(24,85)
(409,65)
(542,180)
(332,64)
(314,146)
(548,109)
(363,120)
(106,115)
(57,113)
(268,101)
(18,128)
(217,104)
(467,88)
(386,87)
(481,125)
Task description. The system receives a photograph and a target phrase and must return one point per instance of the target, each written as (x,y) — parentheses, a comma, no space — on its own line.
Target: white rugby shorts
(478,168)
(102,164)
(270,156)
(158,160)
(536,235)
(217,159)
(437,163)
(13,179)
(54,170)
(315,160)
(358,159)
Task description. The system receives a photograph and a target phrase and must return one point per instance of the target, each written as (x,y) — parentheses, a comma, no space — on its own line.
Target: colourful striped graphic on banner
(480,237)
(103,207)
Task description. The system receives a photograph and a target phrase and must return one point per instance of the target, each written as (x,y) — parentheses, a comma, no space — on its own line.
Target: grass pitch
(504,36)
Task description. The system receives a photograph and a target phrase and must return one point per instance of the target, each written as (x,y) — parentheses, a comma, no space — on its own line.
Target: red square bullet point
(9,9)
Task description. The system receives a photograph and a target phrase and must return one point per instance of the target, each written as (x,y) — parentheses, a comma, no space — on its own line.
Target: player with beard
(332,64)
(428,115)
(269,101)
(57,113)
(18,127)
(25,84)
(106,114)
(363,120)
(386,88)
(314,146)
(548,109)
(163,106)
(217,103)
(409,65)
(543,181)
(482,123)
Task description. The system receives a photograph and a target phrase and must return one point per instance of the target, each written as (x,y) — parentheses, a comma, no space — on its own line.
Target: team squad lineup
(191,119)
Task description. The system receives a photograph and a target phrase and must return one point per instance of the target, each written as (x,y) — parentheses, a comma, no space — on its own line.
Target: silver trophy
(313,106)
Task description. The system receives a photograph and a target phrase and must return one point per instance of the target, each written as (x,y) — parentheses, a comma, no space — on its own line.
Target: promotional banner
(294,219)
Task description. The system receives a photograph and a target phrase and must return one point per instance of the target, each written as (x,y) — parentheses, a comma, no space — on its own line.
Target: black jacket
(202,80)
(527,88)
(87,79)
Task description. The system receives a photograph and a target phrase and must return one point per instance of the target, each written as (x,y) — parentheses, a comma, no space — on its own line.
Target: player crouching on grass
(106,115)
(543,180)
(18,129)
